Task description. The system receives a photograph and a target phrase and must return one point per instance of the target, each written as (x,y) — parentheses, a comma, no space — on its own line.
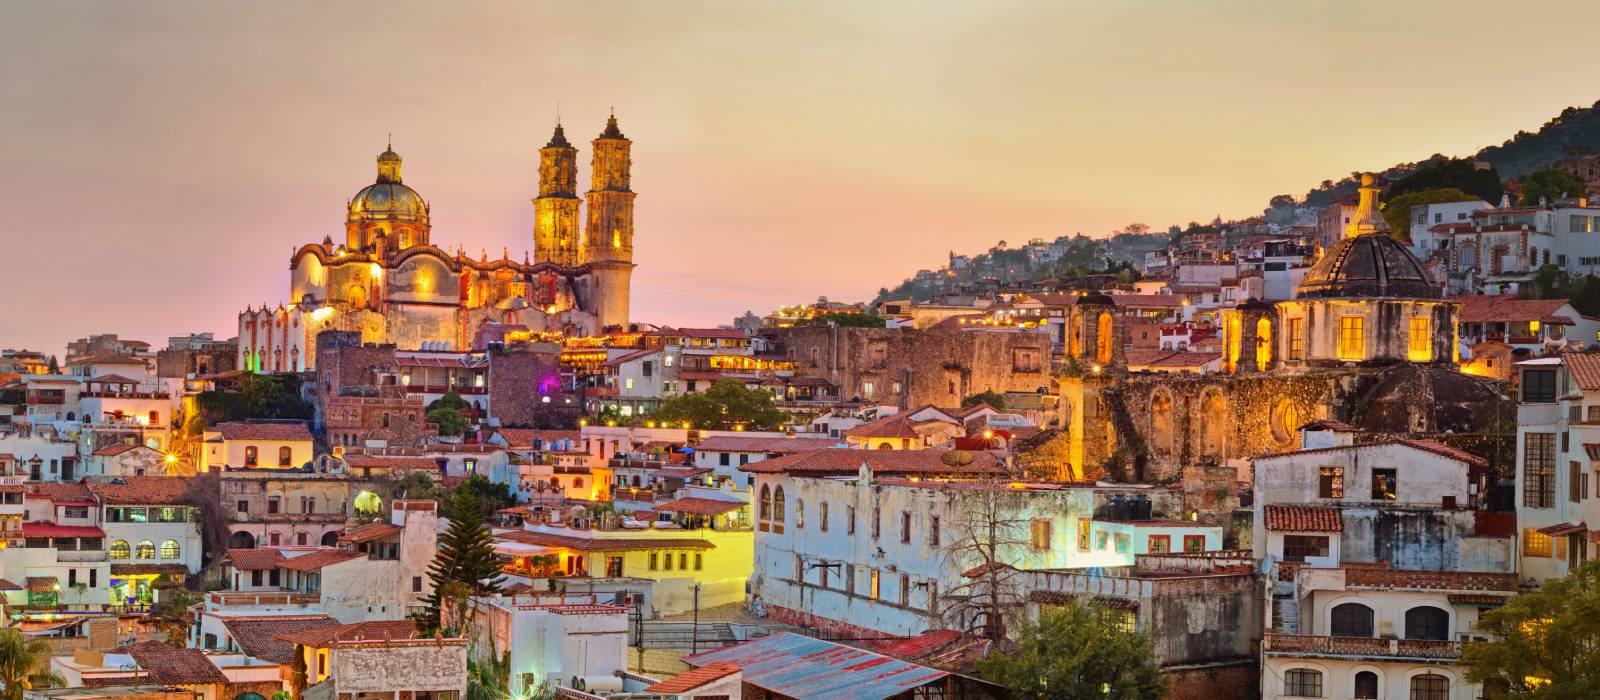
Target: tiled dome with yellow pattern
(388,198)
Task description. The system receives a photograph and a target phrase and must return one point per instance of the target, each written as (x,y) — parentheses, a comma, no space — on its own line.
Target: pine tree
(466,564)
(55,367)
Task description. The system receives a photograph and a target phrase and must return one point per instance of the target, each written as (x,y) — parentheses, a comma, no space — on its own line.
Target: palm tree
(24,663)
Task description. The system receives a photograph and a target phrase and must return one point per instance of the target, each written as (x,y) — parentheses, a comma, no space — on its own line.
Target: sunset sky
(160,161)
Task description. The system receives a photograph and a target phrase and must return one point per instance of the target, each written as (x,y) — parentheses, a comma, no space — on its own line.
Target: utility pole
(694,641)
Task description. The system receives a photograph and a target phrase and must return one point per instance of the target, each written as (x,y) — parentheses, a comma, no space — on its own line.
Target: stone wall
(911,367)
(1213,682)
(525,388)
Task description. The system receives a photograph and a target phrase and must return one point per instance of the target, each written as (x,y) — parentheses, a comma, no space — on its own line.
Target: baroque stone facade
(389,282)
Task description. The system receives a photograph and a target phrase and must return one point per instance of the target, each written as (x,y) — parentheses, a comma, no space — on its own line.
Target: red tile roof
(701,506)
(899,425)
(54,530)
(689,680)
(264,431)
(258,636)
(369,532)
(1171,301)
(143,490)
(74,491)
(391,462)
(1504,309)
(372,631)
(1476,599)
(252,559)
(836,461)
(318,559)
(1304,519)
(1432,446)
(114,450)
(781,445)
(174,665)
(708,333)
(1585,369)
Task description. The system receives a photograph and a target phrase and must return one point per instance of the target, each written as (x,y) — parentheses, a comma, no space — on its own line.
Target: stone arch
(356,296)
(1104,339)
(1285,421)
(330,538)
(242,540)
(1263,343)
(1212,430)
(1162,422)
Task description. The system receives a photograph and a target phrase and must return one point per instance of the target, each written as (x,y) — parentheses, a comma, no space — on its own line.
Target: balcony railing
(236,598)
(80,555)
(1366,647)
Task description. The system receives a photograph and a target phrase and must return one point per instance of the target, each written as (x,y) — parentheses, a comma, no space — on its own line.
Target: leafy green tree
(1450,173)
(1547,643)
(1076,652)
(490,496)
(726,404)
(169,611)
(466,564)
(55,367)
(990,397)
(1397,211)
(449,413)
(24,664)
(1550,184)
(259,396)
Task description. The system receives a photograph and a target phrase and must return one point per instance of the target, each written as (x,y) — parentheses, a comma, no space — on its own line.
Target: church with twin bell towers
(389,281)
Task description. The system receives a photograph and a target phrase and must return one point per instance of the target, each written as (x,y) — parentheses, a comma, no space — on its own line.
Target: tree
(55,367)
(728,403)
(985,397)
(491,496)
(449,413)
(168,613)
(1550,184)
(1546,643)
(844,320)
(1397,211)
(466,564)
(259,396)
(1076,652)
(24,664)
(1450,173)
(987,539)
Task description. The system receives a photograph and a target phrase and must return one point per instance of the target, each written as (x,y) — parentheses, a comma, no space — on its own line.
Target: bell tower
(608,226)
(555,210)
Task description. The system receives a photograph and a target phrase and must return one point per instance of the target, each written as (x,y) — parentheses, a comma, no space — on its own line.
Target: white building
(1558,463)
(568,640)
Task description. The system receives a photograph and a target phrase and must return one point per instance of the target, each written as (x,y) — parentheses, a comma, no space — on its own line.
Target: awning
(520,549)
(1563,529)
(7,585)
(43,584)
(1476,600)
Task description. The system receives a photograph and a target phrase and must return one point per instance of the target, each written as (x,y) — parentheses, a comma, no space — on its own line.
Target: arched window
(250,456)
(764,508)
(1351,620)
(1427,622)
(284,456)
(119,549)
(1103,340)
(1263,344)
(145,550)
(777,510)
(170,549)
(577,482)
(799,513)
(1430,686)
(69,416)
(1366,686)
(1302,683)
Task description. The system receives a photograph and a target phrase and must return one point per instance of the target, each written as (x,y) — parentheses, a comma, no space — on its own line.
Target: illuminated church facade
(392,283)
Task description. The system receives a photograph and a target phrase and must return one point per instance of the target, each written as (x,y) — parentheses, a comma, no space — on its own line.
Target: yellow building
(255,446)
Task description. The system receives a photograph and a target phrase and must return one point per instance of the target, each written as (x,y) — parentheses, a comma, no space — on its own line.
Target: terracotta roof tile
(1585,369)
(174,665)
(114,450)
(258,636)
(317,560)
(524,437)
(1304,519)
(1502,309)
(369,532)
(1592,449)
(264,431)
(73,491)
(253,559)
(143,490)
(371,631)
(842,461)
(781,445)
(689,680)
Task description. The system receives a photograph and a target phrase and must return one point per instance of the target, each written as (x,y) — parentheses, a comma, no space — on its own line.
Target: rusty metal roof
(802,667)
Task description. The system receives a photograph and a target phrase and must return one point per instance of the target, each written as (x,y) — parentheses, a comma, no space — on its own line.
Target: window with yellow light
(1420,347)
(1352,338)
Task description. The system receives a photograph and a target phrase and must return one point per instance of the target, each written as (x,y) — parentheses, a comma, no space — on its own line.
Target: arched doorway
(1103,339)
(330,538)
(1161,423)
(1213,424)
(242,540)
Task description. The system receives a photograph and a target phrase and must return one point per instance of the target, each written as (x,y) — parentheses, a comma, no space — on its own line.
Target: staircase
(1286,614)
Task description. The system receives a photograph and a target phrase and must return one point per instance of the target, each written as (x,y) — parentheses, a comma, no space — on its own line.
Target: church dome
(388,198)
(1367,262)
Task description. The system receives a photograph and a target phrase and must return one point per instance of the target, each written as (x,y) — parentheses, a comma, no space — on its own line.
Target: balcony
(38,400)
(1276,644)
(303,517)
(445,389)
(272,599)
(65,556)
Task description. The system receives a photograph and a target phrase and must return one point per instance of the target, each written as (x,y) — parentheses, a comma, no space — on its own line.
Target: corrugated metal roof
(803,667)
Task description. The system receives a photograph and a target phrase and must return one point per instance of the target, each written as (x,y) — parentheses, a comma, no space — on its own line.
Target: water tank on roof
(1139,508)
(1116,508)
